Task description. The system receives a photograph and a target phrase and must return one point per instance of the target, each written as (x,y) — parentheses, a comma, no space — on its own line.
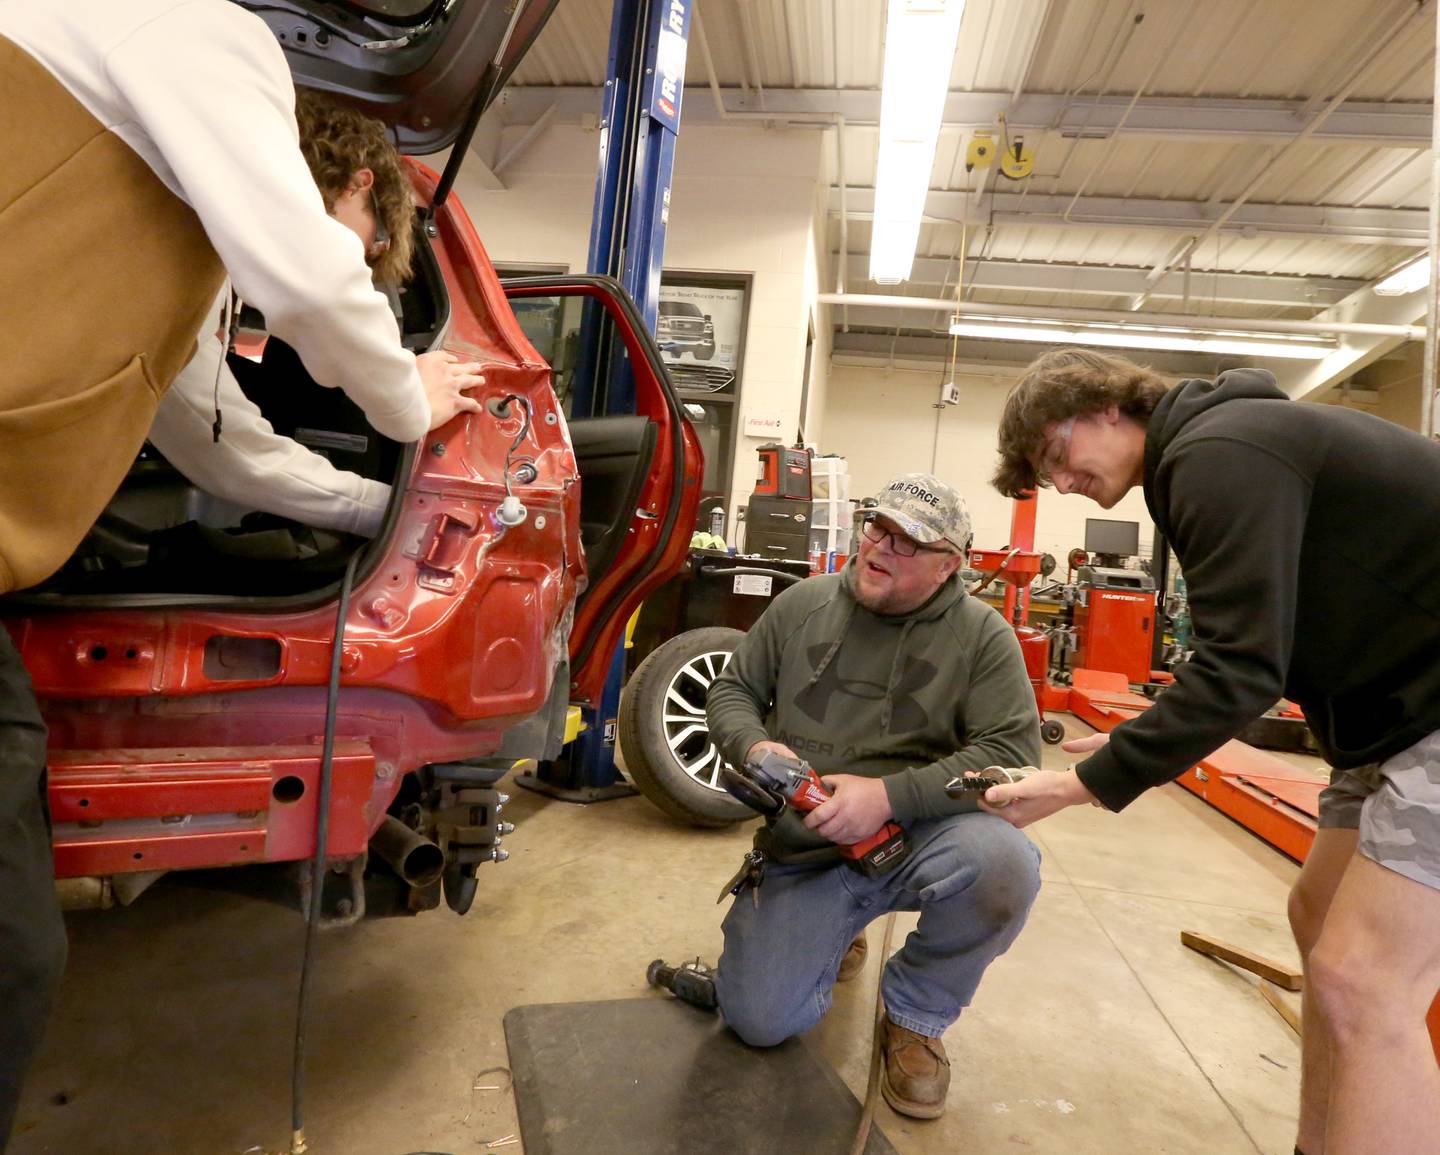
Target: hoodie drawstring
(229,330)
(894,675)
(834,646)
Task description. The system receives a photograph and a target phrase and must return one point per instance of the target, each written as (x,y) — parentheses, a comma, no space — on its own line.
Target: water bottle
(717,521)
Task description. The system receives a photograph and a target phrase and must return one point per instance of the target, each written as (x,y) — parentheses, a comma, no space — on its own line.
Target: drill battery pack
(880,858)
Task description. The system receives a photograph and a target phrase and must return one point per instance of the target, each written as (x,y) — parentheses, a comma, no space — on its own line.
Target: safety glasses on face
(1055,453)
(381,244)
(899,544)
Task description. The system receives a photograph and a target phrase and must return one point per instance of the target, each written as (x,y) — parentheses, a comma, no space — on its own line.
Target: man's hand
(759,748)
(445,378)
(1036,797)
(859,808)
(1087,745)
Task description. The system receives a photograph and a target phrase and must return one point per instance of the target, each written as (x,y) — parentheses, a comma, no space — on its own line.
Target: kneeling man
(888,679)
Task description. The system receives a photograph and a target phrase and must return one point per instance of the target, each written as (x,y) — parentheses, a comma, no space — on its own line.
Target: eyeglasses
(901,545)
(1055,453)
(381,244)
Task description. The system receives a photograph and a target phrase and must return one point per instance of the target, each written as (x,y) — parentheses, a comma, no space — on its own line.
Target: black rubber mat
(654,1076)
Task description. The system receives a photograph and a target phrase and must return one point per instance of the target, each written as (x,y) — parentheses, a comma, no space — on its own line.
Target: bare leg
(1374,973)
(1309,902)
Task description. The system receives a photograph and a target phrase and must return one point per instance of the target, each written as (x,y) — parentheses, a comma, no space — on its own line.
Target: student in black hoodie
(1307,534)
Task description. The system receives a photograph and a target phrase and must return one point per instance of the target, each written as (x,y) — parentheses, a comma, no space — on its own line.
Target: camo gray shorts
(1395,805)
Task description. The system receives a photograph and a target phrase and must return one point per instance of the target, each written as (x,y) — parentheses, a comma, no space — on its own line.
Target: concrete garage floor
(1097,1033)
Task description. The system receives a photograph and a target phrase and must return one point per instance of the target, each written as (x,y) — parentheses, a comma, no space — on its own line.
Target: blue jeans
(972,877)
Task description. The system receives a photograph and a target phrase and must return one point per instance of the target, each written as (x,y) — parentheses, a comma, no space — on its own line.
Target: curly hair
(1058,385)
(338,142)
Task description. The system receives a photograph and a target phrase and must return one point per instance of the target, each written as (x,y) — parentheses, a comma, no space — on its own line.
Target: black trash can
(714,589)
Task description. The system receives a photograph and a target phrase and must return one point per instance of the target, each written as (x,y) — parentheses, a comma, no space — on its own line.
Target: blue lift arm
(639,122)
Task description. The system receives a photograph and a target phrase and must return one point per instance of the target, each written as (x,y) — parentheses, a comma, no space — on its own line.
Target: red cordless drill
(790,781)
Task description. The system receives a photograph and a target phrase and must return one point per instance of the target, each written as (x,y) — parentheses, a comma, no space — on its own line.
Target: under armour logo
(906,713)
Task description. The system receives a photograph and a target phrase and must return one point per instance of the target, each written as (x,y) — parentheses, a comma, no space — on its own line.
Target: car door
(639,460)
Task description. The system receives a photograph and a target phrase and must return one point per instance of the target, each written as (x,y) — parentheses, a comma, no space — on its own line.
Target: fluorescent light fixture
(1140,337)
(920,39)
(1407,279)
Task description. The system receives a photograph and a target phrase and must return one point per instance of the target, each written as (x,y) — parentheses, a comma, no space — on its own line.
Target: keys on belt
(749,877)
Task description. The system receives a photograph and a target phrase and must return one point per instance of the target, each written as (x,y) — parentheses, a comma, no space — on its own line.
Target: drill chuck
(690,982)
(969,787)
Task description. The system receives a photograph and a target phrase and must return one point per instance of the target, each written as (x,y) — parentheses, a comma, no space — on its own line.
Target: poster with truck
(698,330)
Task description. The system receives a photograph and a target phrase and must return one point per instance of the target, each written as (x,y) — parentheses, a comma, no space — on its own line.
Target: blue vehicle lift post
(638,126)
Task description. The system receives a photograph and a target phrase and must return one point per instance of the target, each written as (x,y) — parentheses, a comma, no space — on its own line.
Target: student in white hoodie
(250,466)
(151,150)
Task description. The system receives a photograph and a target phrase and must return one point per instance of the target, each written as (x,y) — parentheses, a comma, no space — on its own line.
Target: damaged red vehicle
(184,665)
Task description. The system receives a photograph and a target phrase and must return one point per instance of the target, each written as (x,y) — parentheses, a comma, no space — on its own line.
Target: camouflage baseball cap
(925,508)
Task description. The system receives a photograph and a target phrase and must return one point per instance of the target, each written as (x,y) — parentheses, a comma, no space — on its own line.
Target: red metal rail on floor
(1277,801)
(1271,798)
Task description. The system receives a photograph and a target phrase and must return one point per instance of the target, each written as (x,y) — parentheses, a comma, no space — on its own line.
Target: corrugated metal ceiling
(1275,49)
(1303,51)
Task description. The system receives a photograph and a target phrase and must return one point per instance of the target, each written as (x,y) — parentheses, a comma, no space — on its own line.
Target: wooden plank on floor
(1271,994)
(1277,973)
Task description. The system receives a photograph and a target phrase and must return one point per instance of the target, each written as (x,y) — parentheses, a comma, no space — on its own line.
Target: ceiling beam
(929,319)
(1361,226)
(478,170)
(1010,357)
(933,320)
(1353,351)
(917,320)
(1326,325)
(479,165)
(530,136)
(1379,125)
(1107,281)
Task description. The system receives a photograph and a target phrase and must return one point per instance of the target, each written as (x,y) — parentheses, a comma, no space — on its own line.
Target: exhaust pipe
(415,859)
(88,893)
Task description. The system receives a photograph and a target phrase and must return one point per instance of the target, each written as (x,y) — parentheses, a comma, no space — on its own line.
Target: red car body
(186,731)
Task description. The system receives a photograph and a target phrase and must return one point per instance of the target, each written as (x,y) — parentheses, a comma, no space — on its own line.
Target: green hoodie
(911,698)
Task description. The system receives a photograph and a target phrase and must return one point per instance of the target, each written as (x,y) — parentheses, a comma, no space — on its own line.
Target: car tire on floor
(664,737)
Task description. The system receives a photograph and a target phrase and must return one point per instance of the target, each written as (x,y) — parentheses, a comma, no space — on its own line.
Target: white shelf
(830,539)
(831,513)
(829,479)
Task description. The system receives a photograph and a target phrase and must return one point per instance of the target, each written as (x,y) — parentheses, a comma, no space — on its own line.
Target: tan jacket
(105,281)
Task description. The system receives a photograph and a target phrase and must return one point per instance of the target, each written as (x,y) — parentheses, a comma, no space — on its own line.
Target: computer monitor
(1120,538)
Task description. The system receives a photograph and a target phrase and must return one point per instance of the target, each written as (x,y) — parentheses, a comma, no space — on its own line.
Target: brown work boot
(854,961)
(916,1076)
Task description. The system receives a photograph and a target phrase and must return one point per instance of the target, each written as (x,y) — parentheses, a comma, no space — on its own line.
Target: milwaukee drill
(773,781)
